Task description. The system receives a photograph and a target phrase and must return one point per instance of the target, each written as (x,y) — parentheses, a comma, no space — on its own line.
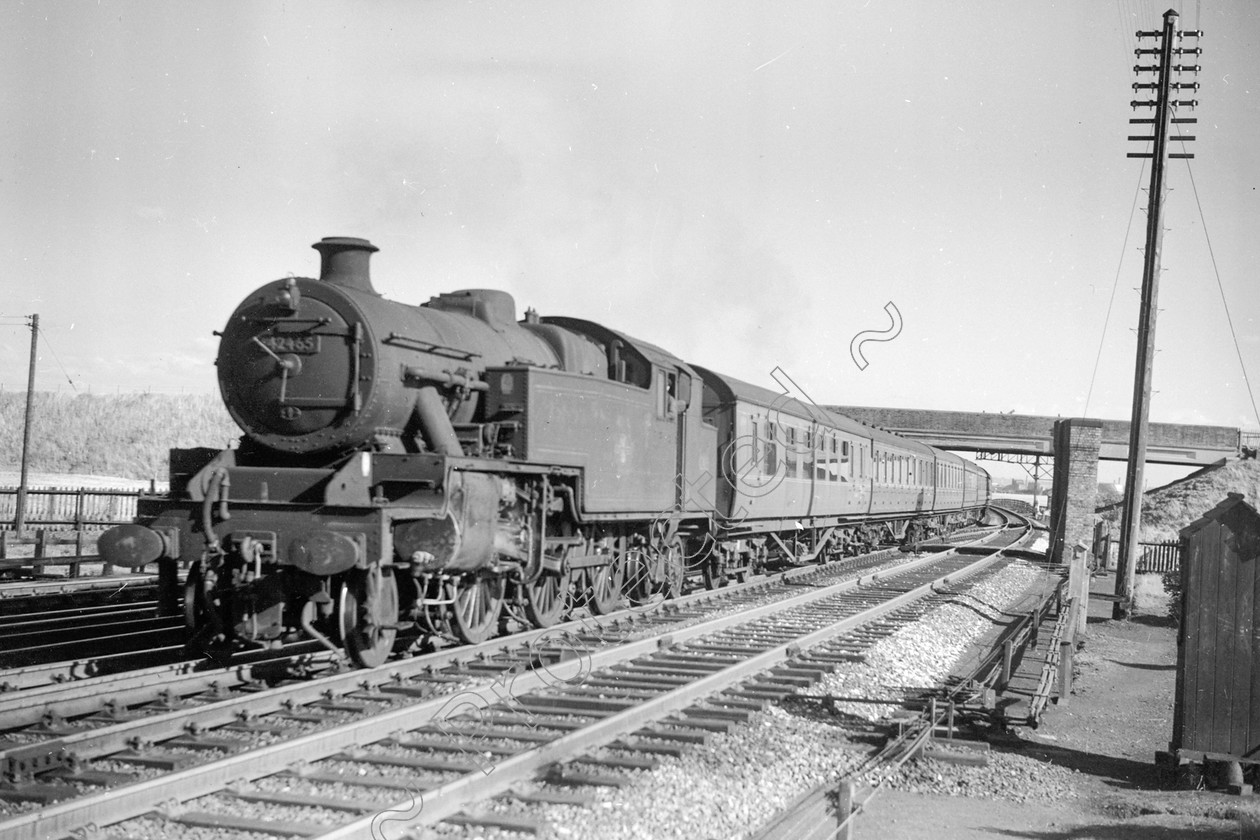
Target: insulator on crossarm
(1145,68)
(1188,51)
(1142,34)
(1143,103)
(1142,52)
(1191,33)
(1186,68)
(1145,85)
(1187,103)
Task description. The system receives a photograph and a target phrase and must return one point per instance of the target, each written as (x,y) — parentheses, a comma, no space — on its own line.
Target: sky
(749,185)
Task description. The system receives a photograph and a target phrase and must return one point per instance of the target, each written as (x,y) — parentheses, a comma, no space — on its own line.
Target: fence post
(1008,663)
(41,546)
(1065,672)
(844,810)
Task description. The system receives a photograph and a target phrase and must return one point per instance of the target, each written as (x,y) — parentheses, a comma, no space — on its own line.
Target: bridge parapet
(1030,434)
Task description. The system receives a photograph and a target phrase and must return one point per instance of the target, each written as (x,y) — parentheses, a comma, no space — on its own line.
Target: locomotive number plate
(291,343)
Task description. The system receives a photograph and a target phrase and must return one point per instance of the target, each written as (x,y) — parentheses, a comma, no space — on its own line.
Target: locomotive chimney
(344,261)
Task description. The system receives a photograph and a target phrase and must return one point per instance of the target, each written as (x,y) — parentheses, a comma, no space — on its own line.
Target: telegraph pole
(1164,105)
(19,523)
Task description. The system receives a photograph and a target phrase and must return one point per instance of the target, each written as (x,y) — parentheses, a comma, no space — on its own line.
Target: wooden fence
(76,508)
(45,553)
(1159,557)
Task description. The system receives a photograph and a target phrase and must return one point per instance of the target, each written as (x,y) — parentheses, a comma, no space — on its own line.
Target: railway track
(830,809)
(95,688)
(454,727)
(85,631)
(23,598)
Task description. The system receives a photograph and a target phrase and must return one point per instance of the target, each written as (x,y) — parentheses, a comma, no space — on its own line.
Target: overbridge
(1032,435)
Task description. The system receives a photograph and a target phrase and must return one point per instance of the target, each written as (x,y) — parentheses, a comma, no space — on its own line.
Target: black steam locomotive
(448,466)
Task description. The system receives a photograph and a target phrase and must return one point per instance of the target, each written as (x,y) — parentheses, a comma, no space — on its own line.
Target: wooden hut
(1216,713)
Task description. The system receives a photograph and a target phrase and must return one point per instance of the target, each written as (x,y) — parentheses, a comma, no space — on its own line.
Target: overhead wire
(43,337)
(1216,272)
(1115,285)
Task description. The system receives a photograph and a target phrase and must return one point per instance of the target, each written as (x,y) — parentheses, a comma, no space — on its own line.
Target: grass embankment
(1168,509)
(124,435)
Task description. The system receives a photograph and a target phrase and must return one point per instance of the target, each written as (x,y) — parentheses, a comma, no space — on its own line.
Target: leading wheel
(368,615)
(476,603)
(201,605)
(195,617)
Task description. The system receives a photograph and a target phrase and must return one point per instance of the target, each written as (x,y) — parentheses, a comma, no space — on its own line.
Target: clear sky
(746,184)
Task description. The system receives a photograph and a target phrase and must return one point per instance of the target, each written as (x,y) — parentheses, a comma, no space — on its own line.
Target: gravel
(742,779)
(923,653)
(739,779)
(1015,778)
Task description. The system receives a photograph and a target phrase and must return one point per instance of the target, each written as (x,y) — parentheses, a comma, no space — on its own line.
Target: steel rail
(133,800)
(28,707)
(452,797)
(65,586)
(230,710)
(895,753)
(69,673)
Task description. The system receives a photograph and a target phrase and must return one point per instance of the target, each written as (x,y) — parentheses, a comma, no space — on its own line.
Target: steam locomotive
(447,466)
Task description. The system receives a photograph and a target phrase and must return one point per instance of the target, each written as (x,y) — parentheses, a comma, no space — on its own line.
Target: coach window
(772,450)
(790,455)
(820,455)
